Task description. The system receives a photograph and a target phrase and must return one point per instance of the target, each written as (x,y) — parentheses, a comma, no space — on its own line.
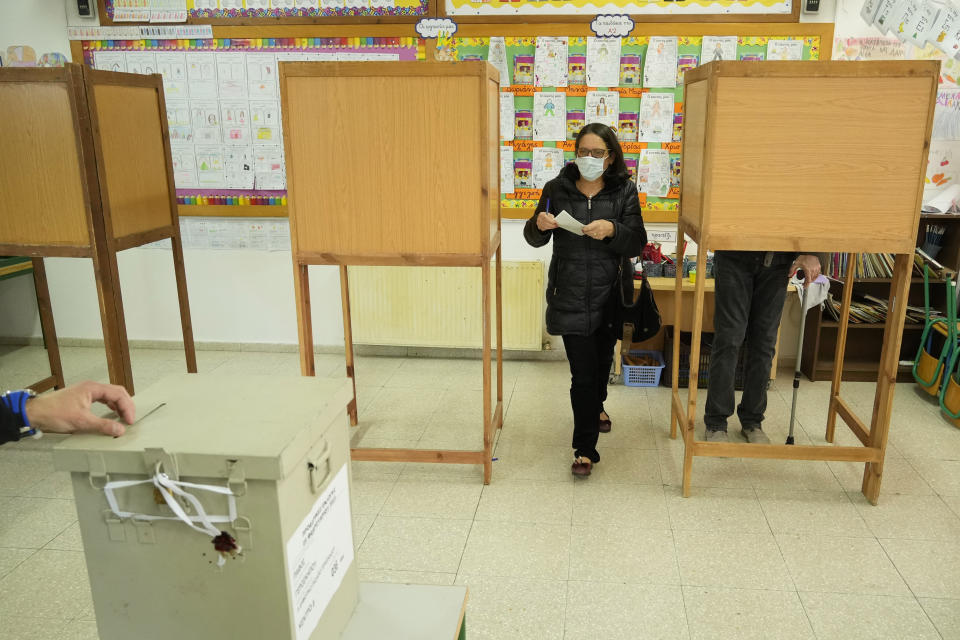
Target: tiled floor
(762,549)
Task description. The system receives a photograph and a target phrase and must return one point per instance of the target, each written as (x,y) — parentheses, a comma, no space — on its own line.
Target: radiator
(441,306)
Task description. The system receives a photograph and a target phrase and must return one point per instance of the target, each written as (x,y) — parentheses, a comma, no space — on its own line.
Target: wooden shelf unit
(820,338)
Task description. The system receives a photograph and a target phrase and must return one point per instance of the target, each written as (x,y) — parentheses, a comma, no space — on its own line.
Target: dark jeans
(590,358)
(748,305)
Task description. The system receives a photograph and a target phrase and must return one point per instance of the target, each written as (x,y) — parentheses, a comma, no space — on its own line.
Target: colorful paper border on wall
(401,8)
(632,7)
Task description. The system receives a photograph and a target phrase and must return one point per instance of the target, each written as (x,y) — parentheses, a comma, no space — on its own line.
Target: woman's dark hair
(617,171)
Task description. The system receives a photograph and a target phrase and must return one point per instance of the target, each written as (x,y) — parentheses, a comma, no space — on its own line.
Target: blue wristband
(16,401)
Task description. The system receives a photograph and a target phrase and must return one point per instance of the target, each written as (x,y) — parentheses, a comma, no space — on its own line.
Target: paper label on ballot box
(319,554)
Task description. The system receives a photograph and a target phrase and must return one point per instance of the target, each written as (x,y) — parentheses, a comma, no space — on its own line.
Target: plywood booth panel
(40,176)
(802,154)
(388,159)
(135,166)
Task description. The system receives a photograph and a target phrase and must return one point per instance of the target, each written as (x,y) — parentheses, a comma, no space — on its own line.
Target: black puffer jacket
(583,271)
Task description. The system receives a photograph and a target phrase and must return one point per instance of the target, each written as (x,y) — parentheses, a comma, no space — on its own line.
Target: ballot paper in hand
(568,222)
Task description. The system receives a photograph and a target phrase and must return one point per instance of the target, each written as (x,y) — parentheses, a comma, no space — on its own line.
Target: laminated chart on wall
(644,117)
(223,103)
(567,7)
(122,10)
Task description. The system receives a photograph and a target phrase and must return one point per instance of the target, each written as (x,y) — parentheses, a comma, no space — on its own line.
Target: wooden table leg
(691,418)
(841,347)
(47,323)
(186,324)
(887,378)
(347,342)
(487,381)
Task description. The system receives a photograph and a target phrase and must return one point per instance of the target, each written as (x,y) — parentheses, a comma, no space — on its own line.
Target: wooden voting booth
(88,174)
(792,156)
(426,194)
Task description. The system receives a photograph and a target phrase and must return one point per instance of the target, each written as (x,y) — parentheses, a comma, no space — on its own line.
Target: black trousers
(748,305)
(590,358)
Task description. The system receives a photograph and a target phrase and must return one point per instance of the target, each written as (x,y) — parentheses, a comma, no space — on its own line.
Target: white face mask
(590,168)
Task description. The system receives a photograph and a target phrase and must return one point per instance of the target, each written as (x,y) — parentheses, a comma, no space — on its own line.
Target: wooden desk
(408,612)
(13,267)
(663,293)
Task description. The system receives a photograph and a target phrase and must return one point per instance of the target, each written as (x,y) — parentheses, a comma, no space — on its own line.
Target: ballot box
(224,512)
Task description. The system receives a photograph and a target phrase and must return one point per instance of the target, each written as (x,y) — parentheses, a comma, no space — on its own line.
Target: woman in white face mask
(582,301)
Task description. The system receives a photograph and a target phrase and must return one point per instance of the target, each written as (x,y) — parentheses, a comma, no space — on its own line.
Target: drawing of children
(718,52)
(601,107)
(549,109)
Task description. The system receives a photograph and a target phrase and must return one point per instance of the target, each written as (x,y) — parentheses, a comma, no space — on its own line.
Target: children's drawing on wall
(575,122)
(497,56)
(785,50)
(603,107)
(946,115)
(718,48)
(142,62)
(942,170)
(627,127)
(603,62)
(549,112)
(656,117)
(506,115)
(550,62)
(577,70)
(20,55)
(506,169)
(630,71)
(654,171)
(547,162)
(523,70)
(523,174)
(660,69)
(53,60)
(523,129)
(869,48)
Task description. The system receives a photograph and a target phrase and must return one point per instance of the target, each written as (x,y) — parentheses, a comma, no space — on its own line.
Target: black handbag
(639,313)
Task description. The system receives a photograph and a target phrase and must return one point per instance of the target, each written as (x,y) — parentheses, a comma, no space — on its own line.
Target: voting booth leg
(348,342)
(676,413)
(488,418)
(186,323)
(111,317)
(49,329)
(301,290)
(836,403)
(697,329)
(499,336)
(889,362)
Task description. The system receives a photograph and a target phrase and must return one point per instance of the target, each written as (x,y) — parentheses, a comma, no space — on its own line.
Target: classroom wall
(236,296)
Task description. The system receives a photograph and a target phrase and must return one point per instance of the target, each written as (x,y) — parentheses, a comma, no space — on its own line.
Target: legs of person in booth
(748,305)
(590,359)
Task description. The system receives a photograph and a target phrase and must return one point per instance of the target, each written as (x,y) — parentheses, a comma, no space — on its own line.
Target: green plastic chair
(924,359)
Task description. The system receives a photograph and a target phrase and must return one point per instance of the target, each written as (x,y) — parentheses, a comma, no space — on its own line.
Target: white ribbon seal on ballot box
(170,490)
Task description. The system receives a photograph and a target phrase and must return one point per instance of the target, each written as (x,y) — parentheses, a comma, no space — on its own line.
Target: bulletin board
(223,108)
(520,51)
(291,11)
(782,10)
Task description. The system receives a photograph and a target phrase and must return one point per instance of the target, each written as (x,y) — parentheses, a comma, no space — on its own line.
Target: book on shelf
(868,265)
(868,309)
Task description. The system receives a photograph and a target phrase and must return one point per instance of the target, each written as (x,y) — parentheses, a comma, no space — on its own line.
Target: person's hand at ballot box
(69,410)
